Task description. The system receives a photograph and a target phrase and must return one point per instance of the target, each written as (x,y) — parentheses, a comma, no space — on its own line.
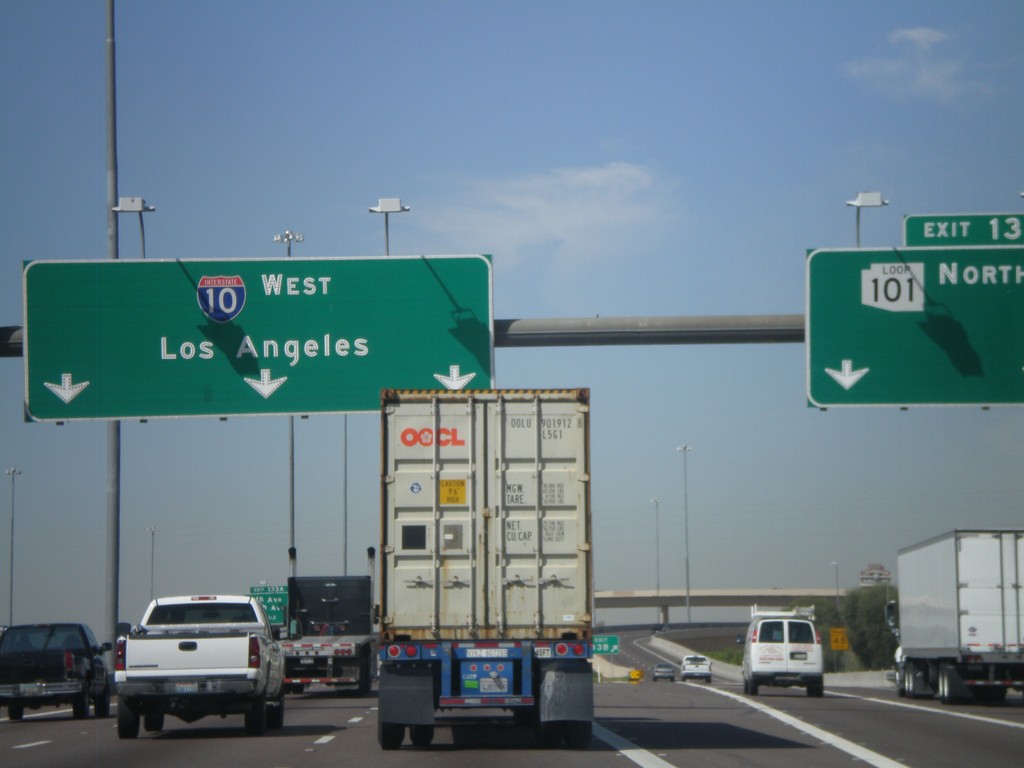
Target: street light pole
(135,205)
(13,472)
(287,238)
(685,449)
(657,554)
(152,558)
(388,205)
(866,200)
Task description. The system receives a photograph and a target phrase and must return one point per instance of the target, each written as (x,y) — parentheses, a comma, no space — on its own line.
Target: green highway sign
(915,326)
(274,600)
(606,644)
(147,339)
(943,230)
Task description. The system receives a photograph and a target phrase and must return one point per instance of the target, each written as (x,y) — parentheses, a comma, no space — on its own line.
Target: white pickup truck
(199,655)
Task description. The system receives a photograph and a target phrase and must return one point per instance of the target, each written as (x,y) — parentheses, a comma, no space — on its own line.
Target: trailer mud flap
(566,692)
(406,694)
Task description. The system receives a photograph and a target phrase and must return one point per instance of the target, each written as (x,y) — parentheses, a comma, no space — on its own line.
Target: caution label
(453,492)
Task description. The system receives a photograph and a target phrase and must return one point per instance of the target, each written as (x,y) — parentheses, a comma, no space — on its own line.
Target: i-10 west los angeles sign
(915,326)
(146,339)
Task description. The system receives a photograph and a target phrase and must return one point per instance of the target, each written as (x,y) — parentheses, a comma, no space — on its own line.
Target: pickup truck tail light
(69,664)
(119,656)
(255,657)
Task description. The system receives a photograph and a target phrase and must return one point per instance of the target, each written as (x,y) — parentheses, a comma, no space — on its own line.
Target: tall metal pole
(113,427)
(685,449)
(152,557)
(287,239)
(13,472)
(657,554)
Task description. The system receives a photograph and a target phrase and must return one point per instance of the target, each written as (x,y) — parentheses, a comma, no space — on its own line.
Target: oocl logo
(425,437)
(221,298)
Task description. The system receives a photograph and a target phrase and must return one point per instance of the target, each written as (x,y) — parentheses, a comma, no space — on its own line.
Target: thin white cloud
(575,216)
(918,71)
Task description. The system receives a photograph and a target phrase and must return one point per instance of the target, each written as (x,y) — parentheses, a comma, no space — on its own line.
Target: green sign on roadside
(606,644)
(274,600)
(915,326)
(144,339)
(940,230)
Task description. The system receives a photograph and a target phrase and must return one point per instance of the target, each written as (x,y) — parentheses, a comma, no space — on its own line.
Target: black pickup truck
(53,664)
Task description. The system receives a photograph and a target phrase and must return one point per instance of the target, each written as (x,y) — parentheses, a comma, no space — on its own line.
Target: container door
(983,564)
(539,526)
(432,581)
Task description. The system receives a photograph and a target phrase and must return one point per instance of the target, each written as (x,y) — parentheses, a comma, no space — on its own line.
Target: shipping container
(486,564)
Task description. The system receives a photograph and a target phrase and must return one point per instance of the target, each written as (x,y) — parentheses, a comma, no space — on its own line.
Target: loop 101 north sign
(915,326)
(119,339)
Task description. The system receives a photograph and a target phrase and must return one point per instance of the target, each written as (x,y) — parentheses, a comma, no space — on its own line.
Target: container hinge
(585,546)
(584,478)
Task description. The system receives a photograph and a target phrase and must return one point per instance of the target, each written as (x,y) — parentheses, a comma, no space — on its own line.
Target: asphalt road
(653,725)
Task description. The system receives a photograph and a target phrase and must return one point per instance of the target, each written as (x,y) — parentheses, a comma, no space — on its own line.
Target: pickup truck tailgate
(184,654)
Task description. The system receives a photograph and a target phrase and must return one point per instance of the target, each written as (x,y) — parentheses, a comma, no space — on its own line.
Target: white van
(783,649)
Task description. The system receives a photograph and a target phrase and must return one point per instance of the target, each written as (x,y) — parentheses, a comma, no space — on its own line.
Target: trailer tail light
(255,655)
(576,649)
(406,651)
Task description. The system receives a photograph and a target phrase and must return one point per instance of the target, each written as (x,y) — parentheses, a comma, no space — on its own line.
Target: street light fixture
(866,200)
(388,205)
(13,472)
(288,238)
(685,449)
(135,205)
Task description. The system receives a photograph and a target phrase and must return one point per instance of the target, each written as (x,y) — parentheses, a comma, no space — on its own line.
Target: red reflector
(410,651)
(561,649)
(394,651)
(578,650)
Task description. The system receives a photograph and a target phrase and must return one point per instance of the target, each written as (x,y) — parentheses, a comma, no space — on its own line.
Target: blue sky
(616,159)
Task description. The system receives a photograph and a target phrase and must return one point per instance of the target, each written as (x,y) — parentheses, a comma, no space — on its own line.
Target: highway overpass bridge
(769,597)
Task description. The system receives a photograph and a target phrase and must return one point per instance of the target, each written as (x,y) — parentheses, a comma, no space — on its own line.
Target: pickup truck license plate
(30,689)
(186,687)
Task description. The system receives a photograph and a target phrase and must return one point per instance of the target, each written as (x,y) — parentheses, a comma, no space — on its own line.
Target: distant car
(663,672)
(696,668)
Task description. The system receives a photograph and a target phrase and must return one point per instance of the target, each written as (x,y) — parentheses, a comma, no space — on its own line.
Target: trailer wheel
(390,735)
(421,735)
(548,735)
(578,734)
(127,721)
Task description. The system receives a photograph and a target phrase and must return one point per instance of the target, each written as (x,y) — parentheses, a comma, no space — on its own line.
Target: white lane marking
(355,719)
(32,744)
(929,710)
(630,750)
(855,750)
(324,740)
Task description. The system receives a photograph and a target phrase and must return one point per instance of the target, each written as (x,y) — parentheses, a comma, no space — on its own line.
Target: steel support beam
(603,331)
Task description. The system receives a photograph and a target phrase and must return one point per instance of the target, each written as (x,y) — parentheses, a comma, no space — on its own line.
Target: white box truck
(961,627)
(486,571)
